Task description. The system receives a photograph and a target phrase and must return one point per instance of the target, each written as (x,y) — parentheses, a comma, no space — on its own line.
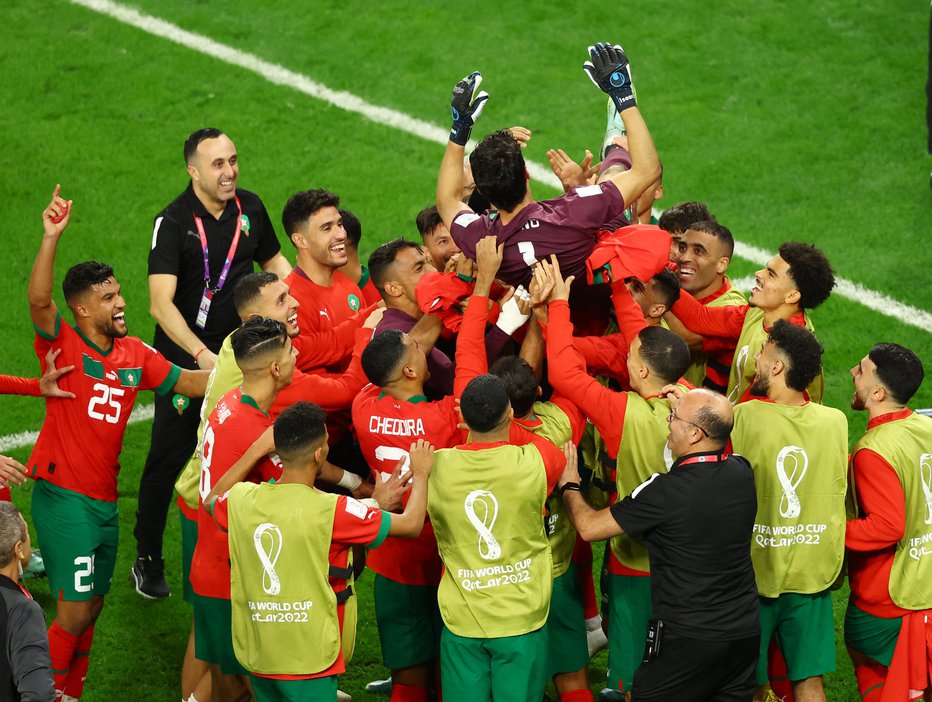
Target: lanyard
(230,254)
(702,459)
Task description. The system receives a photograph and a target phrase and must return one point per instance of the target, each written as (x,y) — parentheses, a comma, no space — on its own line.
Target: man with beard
(800,466)
(209,237)
(75,461)
(888,622)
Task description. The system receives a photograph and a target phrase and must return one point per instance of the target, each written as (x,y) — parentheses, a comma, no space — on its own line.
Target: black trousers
(698,670)
(174,438)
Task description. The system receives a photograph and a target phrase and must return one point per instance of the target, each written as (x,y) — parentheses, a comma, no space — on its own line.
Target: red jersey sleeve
(220,513)
(157,371)
(11,385)
(629,316)
(567,373)
(881,499)
(554,460)
(355,523)
(605,355)
(710,321)
(471,359)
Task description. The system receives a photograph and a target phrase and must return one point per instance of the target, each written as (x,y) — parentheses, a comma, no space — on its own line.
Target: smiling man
(799,278)
(209,237)
(76,458)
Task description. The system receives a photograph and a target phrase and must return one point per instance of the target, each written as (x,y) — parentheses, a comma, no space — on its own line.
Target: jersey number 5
(394,454)
(106,400)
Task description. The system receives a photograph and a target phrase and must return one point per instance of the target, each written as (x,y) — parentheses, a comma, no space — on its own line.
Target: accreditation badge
(204,308)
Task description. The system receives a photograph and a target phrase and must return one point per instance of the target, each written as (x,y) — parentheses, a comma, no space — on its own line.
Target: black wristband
(569,486)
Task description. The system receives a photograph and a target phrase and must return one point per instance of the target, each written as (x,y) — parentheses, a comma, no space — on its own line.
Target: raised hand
(609,69)
(422,459)
(56,216)
(465,106)
(570,173)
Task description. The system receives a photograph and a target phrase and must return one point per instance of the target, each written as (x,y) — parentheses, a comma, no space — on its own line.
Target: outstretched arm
(591,524)
(42,307)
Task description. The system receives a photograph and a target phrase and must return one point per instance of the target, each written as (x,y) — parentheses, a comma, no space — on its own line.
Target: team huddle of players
(423,416)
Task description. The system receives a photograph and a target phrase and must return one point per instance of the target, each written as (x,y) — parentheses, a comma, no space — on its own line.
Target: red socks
(74,684)
(62,646)
(409,693)
(582,695)
(871,678)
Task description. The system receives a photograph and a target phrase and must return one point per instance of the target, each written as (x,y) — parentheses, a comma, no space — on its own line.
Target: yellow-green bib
(695,374)
(799,456)
(486,507)
(643,451)
(750,342)
(284,610)
(906,444)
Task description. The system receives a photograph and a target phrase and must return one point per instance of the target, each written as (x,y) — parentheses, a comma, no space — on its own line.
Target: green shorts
(805,631)
(213,634)
(567,647)
(875,637)
(310,690)
(629,611)
(78,536)
(480,670)
(188,543)
(409,622)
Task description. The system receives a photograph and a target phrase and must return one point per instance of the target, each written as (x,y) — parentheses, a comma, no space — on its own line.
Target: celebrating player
(75,461)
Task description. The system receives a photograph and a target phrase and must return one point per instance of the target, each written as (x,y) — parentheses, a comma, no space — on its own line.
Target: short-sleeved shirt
(386,428)
(176,250)
(565,226)
(697,522)
(353,524)
(235,423)
(80,441)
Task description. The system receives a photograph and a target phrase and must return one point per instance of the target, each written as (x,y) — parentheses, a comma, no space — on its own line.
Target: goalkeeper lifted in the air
(531,231)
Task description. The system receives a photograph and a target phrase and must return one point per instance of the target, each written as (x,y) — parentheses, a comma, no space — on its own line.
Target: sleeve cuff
(384,528)
(54,336)
(173,374)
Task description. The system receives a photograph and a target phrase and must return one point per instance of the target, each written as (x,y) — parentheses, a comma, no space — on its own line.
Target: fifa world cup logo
(268,542)
(482,511)
(925,472)
(741,358)
(792,463)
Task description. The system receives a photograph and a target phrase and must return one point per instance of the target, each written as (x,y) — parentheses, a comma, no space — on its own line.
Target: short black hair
(301,206)
(194,140)
(83,276)
(719,231)
(667,287)
(249,288)
(802,350)
(899,369)
(428,220)
(520,382)
(664,352)
(382,355)
(256,337)
(353,228)
(679,218)
(811,272)
(381,260)
(297,429)
(717,427)
(499,170)
(484,402)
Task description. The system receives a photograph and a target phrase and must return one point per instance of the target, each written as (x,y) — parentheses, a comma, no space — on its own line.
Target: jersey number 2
(106,400)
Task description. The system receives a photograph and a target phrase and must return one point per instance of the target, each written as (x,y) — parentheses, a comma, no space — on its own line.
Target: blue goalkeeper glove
(610,71)
(466,107)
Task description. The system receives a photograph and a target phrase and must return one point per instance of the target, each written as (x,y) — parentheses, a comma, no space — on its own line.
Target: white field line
(344,100)
(141,413)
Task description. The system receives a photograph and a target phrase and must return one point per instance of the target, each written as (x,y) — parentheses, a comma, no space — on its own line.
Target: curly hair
(499,170)
(811,272)
(802,351)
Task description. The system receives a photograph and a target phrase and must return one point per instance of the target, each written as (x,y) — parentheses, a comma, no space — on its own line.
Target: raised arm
(42,307)
(466,106)
(591,524)
(609,69)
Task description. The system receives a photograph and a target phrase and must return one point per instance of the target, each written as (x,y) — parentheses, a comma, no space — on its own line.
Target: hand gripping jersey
(799,457)
(486,503)
(80,441)
(906,444)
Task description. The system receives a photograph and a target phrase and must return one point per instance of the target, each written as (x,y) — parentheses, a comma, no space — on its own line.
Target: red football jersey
(80,441)
(235,423)
(386,428)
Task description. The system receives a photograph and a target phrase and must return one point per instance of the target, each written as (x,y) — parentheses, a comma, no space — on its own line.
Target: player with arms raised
(75,461)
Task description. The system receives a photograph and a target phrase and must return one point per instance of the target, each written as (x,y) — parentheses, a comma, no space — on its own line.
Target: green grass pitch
(792,120)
